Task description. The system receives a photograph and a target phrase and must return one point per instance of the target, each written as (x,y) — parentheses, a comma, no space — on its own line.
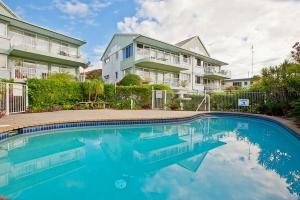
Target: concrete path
(13,122)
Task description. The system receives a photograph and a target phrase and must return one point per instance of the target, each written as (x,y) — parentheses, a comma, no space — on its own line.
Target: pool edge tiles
(63,125)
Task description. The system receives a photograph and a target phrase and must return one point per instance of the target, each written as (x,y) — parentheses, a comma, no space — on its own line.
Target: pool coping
(287,124)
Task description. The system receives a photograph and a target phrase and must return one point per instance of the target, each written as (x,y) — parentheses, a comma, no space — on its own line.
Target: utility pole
(252,52)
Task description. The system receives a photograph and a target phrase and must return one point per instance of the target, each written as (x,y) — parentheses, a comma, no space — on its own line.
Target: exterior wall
(113,58)
(241,83)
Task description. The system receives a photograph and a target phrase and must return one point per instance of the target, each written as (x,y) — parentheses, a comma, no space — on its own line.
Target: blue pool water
(223,157)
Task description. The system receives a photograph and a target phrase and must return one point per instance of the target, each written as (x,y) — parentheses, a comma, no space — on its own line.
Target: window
(107,60)
(106,77)
(198,62)
(64,51)
(198,79)
(116,74)
(3,30)
(186,59)
(139,46)
(245,83)
(239,84)
(186,77)
(127,52)
(3,61)
(42,44)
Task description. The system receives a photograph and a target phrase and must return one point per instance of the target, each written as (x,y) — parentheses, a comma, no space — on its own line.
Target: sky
(228,29)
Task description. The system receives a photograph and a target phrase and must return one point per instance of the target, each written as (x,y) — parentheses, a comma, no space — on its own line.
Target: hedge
(58,90)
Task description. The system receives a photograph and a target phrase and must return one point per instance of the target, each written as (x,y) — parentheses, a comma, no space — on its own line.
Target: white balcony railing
(158,55)
(172,82)
(23,73)
(217,71)
(29,43)
(212,87)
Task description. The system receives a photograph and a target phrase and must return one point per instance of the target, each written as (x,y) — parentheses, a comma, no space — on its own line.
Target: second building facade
(186,66)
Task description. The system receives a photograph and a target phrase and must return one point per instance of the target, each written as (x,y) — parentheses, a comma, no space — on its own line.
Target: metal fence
(251,101)
(13,98)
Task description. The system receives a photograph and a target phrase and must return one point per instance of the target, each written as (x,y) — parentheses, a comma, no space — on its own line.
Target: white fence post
(153,98)
(7,99)
(165,100)
(27,103)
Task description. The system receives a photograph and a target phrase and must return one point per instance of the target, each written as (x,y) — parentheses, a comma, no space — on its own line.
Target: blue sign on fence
(243,102)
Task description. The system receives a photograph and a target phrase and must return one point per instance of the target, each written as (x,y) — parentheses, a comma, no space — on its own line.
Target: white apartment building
(186,66)
(30,51)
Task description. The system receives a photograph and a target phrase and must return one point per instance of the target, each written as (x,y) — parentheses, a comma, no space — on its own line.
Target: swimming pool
(211,157)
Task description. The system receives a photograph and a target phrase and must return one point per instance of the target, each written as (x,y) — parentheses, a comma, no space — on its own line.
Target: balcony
(172,82)
(215,73)
(212,88)
(21,74)
(156,59)
(44,50)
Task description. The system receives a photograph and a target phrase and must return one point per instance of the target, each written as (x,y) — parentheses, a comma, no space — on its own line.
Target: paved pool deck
(14,122)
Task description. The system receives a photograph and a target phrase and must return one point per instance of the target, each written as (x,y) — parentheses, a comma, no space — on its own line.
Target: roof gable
(118,42)
(5,10)
(194,44)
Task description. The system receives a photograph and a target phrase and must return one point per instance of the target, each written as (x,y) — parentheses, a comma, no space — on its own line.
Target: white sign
(17,90)
(159,94)
(243,102)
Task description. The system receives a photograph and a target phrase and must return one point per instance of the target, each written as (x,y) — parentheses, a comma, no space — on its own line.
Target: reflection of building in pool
(24,158)
(161,147)
(185,148)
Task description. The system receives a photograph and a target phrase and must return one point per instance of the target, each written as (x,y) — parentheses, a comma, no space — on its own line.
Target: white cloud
(99,50)
(228,29)
(76,9)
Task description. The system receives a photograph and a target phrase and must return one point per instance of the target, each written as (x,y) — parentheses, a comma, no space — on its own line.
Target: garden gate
(159,99)
(13,98)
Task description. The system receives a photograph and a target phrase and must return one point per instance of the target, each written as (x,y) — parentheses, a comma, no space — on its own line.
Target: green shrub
(131,79)
(109,92)
(57,90)
(93,89)
(296,109)
(174,104)
(141,96)
(162,87)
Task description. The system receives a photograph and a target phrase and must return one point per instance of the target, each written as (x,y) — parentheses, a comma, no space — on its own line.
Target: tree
(93,89)
(296,52)
(131,79)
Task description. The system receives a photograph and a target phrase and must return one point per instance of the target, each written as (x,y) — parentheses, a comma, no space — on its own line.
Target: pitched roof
(9,11)
(182,43)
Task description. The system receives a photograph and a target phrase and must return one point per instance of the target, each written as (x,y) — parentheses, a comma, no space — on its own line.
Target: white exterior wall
(244,83)
(114,65)
(4,47)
